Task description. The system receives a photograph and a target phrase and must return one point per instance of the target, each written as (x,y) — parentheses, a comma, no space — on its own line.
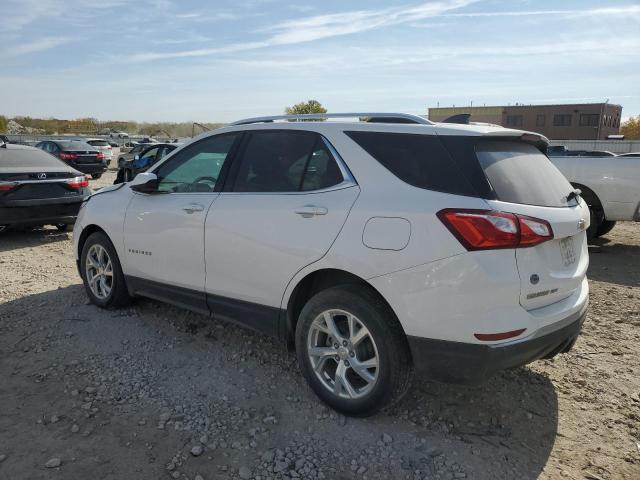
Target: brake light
(78,182)
(100,156)
(487,229)
(6,186)
(68,156)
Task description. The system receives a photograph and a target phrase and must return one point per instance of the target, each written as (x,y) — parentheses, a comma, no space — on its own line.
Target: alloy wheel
(343,354)
(99,271)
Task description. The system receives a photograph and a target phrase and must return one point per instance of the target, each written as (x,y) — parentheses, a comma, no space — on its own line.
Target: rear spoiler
(539,141)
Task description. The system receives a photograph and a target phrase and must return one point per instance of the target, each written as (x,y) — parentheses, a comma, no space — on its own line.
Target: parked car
(103,146)
(373,249)
(609,185)
(116,134)
(78,155)
(4,139)
(136,149)
(38,189)
(632,154)
(596,153)
(143,160)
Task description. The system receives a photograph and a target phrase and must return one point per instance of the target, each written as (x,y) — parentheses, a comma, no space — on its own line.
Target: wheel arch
(88,230)
(588,195)
(317,281)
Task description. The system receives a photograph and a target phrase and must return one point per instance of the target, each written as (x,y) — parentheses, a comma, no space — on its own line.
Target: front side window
(197,167)
(286,161)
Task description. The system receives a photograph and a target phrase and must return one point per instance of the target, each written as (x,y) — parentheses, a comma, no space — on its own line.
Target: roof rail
(377,117)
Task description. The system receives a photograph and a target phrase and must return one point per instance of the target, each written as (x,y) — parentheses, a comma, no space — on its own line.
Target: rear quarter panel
(615,180)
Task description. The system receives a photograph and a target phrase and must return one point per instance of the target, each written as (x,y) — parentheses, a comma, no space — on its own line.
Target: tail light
(487,229)
(68,156)
(100,156)
(6,186)
(78,182)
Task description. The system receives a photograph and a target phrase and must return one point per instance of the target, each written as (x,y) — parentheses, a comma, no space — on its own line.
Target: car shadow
(616,263)
(504,428)
(11,240)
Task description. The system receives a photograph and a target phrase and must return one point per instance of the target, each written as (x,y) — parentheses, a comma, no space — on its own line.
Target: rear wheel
(605,227)
(352,350)
(101,273)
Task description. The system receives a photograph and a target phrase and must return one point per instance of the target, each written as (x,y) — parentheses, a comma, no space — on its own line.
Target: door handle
(309,211)
(193,207)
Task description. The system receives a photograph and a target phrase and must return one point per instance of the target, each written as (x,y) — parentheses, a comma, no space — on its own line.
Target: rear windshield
(98,143)
(520,173)
(28,157)
(71,146)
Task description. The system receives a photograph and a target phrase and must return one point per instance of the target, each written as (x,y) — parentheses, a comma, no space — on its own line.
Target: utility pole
(601,119)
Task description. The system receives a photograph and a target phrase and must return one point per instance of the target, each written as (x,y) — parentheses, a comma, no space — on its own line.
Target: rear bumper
(90,167)
(457,362)
(42,214)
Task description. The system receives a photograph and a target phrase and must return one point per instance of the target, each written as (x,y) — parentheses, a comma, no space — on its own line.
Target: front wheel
(102,274)
(352,350)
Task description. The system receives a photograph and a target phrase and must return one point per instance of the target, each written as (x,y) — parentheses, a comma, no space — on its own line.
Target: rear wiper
(575,193)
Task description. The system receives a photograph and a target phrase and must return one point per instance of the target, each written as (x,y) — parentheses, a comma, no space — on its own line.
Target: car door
(164,231)
(284,204)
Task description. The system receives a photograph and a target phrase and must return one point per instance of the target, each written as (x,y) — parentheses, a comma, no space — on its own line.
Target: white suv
(374,248)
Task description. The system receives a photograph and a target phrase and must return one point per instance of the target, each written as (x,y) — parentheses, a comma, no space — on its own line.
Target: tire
(596,217)
(128,176)
(62,227)
(96,176)
(384,340)
(605,227)
(117,295)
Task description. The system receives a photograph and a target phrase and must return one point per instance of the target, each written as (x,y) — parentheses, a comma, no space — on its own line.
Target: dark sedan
(38,189)
(143,160)
(79,155)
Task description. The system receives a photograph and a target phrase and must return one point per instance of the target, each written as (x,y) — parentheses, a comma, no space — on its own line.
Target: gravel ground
(156,392)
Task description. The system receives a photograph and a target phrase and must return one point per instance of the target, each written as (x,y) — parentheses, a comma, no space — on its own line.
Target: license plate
(567,251)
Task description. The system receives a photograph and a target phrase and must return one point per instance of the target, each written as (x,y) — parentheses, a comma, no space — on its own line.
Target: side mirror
(145,182)
(137,157)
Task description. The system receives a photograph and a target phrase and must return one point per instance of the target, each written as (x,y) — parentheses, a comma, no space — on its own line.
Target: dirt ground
(156,392)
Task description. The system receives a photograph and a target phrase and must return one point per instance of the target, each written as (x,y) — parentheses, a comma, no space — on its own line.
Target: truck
(609,185)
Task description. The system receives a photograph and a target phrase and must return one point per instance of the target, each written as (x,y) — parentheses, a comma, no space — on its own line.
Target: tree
(3,124)
(631,128)
(312,106)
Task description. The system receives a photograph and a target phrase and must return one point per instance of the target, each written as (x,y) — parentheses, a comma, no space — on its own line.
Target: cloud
(318,27)
(614,11)
(46,43)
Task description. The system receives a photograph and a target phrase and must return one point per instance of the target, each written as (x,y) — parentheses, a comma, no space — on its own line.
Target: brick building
(581,121)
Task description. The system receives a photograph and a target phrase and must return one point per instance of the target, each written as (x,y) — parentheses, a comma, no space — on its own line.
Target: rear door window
(285,161)
(419,160)
(520,173)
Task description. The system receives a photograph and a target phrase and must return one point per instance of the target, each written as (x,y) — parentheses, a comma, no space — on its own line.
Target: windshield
(520,173)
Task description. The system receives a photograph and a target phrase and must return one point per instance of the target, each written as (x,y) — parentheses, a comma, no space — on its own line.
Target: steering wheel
(205,179)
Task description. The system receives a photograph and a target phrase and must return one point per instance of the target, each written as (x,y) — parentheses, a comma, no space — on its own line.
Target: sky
(209,61)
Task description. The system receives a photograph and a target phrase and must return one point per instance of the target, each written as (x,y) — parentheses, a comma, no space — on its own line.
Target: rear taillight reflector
(78,182)
(68,156)
(100,156)
(491,337)
(6,186)
(489,229)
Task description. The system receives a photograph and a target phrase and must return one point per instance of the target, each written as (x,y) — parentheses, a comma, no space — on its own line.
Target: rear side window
(419,160)
(520,173)
(285,161)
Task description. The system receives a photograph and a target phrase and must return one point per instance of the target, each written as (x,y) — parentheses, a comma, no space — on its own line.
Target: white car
(103,146)
(372,248)
(609,185)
